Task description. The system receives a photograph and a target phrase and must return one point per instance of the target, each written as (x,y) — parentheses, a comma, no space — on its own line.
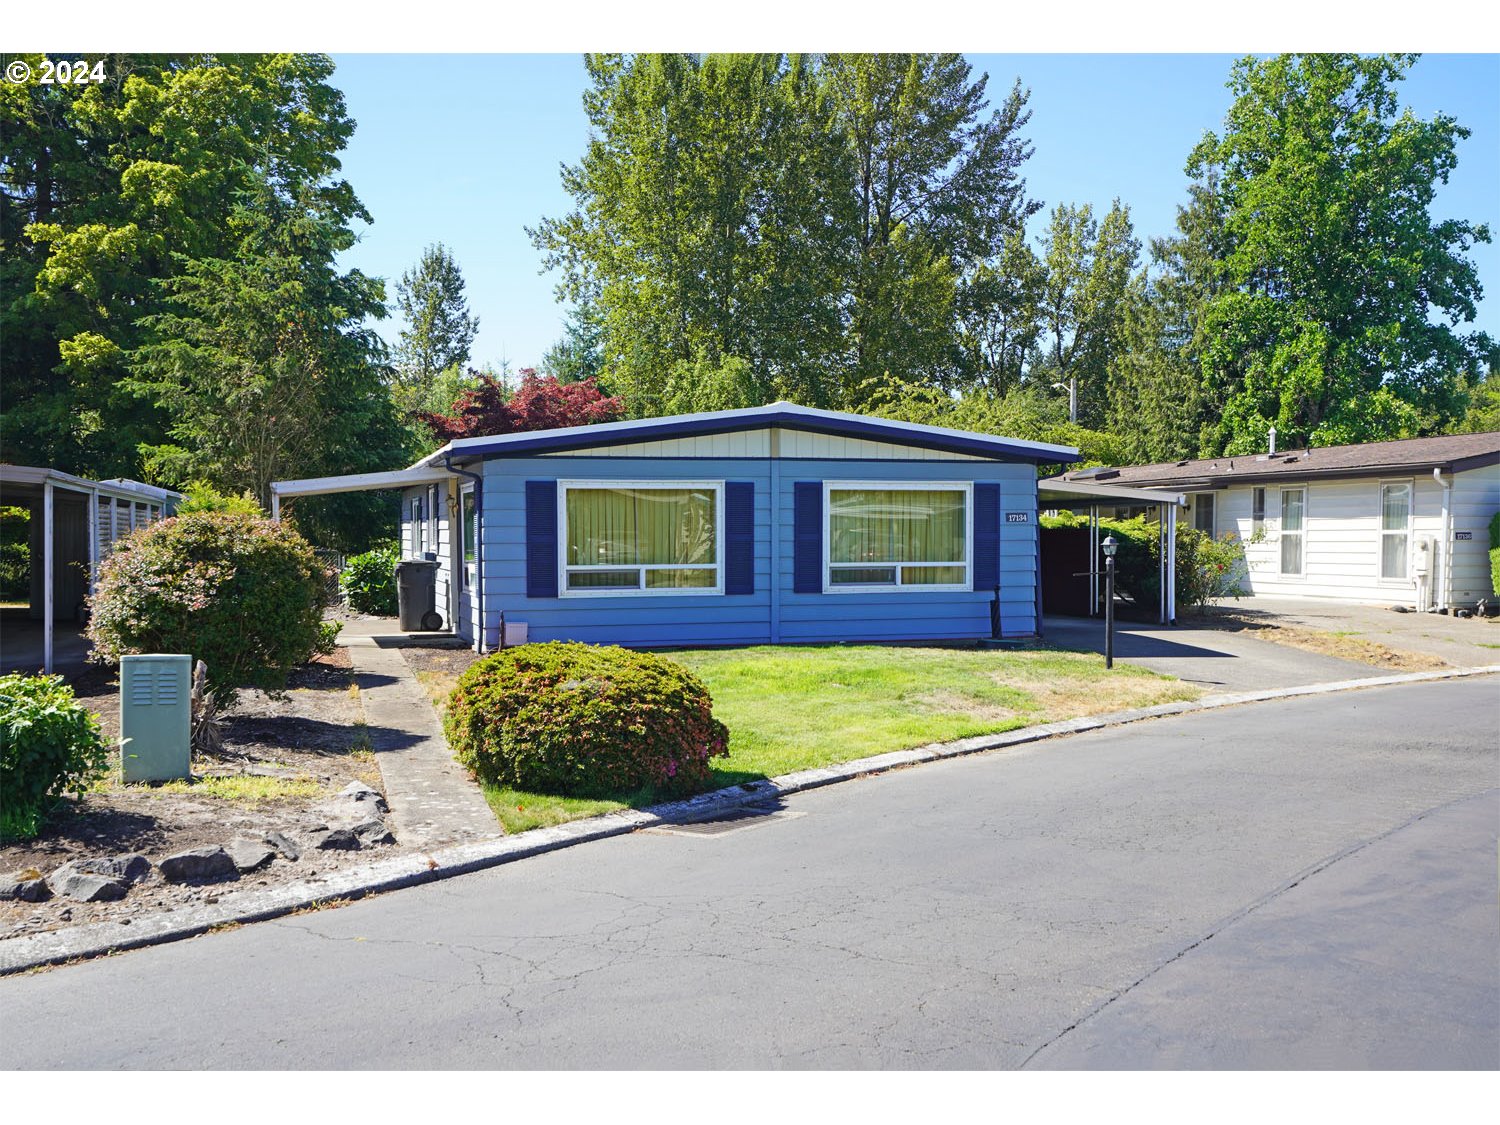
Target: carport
(74,523)
(1075,496)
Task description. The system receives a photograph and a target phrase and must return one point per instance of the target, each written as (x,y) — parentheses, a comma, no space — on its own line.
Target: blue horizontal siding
(657,620)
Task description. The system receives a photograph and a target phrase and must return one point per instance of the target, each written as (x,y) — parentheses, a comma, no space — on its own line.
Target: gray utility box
(155,717)
(416,595)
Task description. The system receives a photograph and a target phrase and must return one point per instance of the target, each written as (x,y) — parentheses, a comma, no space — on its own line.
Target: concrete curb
(31,951)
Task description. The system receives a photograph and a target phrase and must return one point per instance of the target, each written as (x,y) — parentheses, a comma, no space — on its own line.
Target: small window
(414,522)
(470,531)
(1257,511)
(641,538)
(1395,528)
(899,536)
(1293,518)
(432,537)
(1203,513)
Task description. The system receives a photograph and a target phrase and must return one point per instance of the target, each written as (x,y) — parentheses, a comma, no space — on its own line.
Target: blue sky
(465,150)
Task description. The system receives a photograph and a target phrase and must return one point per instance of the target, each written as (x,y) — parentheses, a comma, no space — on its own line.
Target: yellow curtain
(640,527)
(896,525)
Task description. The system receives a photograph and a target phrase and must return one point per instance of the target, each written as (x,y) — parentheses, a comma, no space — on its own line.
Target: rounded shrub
(369,581)
(49,745)
(239,592)
(584,720)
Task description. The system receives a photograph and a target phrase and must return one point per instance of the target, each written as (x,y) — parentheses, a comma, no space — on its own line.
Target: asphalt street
(1299,884)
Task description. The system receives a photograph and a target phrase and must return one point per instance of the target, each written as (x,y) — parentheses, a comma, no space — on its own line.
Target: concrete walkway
(433,801)
(1215,658)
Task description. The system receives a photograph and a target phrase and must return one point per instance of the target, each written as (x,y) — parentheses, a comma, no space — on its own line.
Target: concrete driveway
(1215,658)
(1462,642)
(1301,884)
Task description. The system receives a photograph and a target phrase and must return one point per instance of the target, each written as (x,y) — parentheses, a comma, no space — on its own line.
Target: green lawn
(797,708)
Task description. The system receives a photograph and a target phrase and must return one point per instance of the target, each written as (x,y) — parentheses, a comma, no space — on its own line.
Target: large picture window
(1395,528)
(898,536)
(643,538)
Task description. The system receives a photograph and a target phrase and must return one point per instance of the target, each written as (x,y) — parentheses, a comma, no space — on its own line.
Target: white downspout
(1444,565)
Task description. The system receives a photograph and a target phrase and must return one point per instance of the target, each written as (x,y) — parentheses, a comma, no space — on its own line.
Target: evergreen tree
(439,328)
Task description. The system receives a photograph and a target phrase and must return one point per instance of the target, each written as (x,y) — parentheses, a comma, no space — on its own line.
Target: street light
(1071,386)
(1109,547)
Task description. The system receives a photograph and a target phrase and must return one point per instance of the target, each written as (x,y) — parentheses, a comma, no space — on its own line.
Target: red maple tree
(539,403)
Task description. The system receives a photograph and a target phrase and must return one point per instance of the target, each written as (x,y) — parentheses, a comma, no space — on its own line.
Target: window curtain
(895,525)
(1395,517)
(640,527)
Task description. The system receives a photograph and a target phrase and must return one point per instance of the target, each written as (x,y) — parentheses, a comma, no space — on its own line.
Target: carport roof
(25,478)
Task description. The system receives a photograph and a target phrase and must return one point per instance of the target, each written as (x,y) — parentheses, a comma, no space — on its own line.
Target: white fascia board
(1066,489)
(360,482)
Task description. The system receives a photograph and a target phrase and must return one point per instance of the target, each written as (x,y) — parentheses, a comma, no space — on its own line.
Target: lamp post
(1109,547)
(1071,386)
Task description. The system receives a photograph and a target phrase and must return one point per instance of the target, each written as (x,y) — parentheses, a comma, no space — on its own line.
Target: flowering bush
(239,592)
(369,581)
(583,720)
(49,745)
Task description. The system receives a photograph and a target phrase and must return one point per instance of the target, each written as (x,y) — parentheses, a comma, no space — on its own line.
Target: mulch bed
(313,732)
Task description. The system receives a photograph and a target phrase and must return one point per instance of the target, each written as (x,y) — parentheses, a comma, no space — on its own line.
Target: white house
(1394,522)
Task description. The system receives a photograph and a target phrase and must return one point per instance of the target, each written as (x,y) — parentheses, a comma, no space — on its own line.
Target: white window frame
(1258,512)
(966,487)
(1381,532)
(1282,531)
(466,567)
(432,537)
(418,527)
(563,486)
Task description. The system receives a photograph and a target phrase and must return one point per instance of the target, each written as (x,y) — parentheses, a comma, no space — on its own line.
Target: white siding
(758,443)
(1341,548)
(1476,499)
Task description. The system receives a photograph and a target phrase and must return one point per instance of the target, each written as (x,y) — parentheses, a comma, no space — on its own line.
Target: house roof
(24,479)
(784,415)
(1451,452)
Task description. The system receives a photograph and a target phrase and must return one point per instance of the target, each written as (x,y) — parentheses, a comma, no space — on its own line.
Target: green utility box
(155,714)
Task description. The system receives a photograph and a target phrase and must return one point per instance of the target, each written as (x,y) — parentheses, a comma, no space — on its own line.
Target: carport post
(1171,555)
(275,505)
(47,551)
(93,538)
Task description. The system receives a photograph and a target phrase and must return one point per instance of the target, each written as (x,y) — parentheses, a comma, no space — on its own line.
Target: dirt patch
(438,669)
(282,755)
(1359,649)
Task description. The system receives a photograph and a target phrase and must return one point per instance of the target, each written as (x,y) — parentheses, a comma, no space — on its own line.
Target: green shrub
(204,497)
(369,581)
(15,554)
(1207,569)
(1495,554)
(581,720)
(241,593)
(49,745)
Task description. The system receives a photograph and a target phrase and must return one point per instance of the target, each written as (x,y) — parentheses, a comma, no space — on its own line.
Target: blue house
(776,524)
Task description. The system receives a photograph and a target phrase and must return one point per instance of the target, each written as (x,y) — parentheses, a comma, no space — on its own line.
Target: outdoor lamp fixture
(1109,547)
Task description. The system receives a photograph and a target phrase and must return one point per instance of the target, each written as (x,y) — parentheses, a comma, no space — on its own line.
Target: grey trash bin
(416,595)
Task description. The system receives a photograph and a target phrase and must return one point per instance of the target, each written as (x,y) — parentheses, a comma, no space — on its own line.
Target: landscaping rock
(336,839)
(132,867)
(373,832)
(197,863)
(359,796)
(25,886)
(249,855)
(71,881)
(283,844)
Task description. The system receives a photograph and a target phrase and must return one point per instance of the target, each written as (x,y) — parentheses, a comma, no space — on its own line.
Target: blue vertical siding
(773,612)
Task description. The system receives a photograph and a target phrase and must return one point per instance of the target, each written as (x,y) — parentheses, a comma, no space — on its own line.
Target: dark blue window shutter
(739,537)
(807,537)
(986,535)
(541,539)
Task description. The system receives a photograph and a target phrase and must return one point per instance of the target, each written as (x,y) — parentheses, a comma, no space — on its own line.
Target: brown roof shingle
(1450,452)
